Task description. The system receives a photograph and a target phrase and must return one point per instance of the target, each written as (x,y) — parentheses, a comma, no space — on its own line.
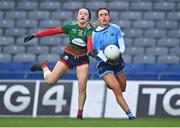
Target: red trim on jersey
(89,43)
(49,32)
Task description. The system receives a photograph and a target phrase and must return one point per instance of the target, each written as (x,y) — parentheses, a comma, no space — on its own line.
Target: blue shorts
(104,68)
(72,61)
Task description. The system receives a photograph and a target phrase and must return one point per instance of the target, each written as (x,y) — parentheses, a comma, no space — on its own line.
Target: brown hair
(87,10)
(102,9)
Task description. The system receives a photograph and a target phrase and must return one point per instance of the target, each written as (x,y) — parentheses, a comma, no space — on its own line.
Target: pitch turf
(88,122)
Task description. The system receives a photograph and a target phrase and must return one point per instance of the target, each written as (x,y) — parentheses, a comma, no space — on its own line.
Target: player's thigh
(59,70)
(111,81)
(82,73)
(122,80)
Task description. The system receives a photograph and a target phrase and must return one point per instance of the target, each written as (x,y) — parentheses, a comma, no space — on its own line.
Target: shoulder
(115,26)
(74,23)
(89,29)
(99,28)
(68,27)
(97,31)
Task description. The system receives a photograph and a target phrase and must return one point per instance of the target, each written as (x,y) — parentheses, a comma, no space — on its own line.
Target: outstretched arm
(47,32)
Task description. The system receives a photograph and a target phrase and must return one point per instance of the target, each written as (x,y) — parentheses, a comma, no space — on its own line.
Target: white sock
(47,72)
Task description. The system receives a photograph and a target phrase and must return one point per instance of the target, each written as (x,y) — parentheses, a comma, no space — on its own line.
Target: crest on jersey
(112,34)
(79,42)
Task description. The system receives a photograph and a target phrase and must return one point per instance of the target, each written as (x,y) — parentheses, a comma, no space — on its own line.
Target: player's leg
(114,85)
(82,77)
(61,67)
(111,80)
(121,77)
(58,71)
(51,77)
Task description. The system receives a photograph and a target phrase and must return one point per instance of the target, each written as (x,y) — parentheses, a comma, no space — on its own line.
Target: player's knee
(51,82)
(82,80)
(117,90)
(82,85)
(82,89)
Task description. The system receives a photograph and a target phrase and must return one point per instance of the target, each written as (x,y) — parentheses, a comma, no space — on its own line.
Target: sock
(46,72)
(129,113)
(79,114)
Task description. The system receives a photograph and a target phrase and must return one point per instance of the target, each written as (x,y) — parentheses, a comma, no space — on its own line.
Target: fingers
(28,38)
(112,62)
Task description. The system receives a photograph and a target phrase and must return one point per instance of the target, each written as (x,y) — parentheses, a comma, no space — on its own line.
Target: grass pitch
(87,122)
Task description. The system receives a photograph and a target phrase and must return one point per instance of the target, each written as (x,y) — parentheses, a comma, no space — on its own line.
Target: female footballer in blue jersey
(111,71)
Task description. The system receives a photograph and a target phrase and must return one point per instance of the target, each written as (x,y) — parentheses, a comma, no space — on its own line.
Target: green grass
(88,122)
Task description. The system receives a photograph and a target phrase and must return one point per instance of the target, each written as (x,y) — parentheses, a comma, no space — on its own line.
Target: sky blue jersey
(102,37)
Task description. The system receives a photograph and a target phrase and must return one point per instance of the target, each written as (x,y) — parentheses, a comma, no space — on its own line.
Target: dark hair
(87,10)
(102,9)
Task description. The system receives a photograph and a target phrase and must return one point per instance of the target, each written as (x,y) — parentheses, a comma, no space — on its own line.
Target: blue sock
(129,113)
